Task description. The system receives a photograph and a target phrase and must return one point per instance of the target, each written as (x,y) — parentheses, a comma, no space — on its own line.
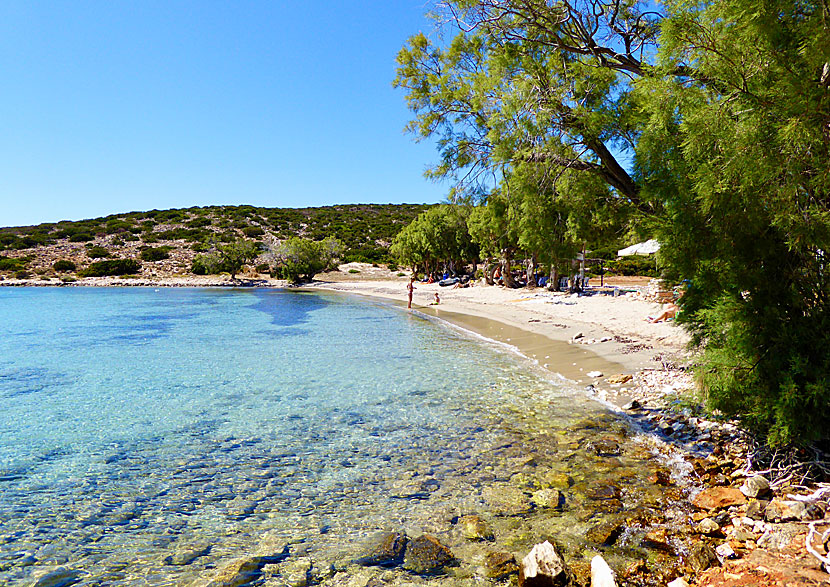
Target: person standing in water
(410,290)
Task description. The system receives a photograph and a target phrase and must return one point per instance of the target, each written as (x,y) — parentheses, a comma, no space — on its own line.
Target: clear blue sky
(110,107)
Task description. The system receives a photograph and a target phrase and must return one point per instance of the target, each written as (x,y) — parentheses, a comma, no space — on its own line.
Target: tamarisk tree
(722,110)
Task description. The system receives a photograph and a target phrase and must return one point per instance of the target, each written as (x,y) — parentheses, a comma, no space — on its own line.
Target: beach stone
(708,526)
(425,555)
(238,572)
(701,557)
(606,533)
(725,552)
(60,577)
(781,537)
(500,565)
(716,498)
(742,534)
(543,566)
(475,528)
(632,405)
(594,373)
(756,509)
(384,550)
(784,510)
(756,486)
(620,378)
(548,498)
(601,573)
(679,582)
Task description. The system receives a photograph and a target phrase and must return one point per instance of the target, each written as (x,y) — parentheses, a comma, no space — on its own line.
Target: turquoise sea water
(148,436)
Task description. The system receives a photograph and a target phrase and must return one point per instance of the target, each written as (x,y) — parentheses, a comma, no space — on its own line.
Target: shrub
(81,237)
(12,263)
(111,267)
(155,254)
(97,252)
(21,274)
(263,268)
(634,265)
(64,265)
(353,271)
(252,231)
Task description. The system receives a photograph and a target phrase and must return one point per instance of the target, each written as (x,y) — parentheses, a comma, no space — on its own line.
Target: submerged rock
(474,528)
(604,492)
(506,500)
(604,447)
(384,550)
(543,566)
(239,572)
(188,554)
(606,533)
(60,577)
(548,498)
(500,565)
(425,555)
(658,540)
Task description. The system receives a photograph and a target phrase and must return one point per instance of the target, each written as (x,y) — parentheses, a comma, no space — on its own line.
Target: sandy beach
(568,334)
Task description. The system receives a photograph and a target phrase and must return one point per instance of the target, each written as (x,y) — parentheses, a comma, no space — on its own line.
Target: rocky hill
(165,242)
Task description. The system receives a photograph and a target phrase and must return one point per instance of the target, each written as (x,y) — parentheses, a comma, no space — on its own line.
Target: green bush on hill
(155,253)
(97,252)
(111,267)
(64,265)
(12,263)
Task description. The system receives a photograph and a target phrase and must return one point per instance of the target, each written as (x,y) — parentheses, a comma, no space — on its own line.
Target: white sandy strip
(555,315)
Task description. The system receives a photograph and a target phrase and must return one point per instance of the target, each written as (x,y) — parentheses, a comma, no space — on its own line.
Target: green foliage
(738,151)
(81,237)
(225,258)
(155,253)
(252,231)
(299,259)
(111,267)
(634,265)
(22,274)
(12,263)
(437,237)
(64,265)
(97,252)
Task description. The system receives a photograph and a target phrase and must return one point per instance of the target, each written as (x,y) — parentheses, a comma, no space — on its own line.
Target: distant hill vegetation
(173,237)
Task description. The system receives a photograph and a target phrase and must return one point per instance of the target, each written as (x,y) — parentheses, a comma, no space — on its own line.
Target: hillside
(166,241)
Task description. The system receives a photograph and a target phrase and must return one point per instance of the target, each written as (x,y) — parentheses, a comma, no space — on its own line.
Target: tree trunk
(506,275)
(530,271)
(489,272)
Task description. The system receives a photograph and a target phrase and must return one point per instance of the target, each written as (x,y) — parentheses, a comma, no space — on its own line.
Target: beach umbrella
(646,248)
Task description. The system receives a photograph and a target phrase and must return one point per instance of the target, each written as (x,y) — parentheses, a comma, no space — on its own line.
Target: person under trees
(708,124)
